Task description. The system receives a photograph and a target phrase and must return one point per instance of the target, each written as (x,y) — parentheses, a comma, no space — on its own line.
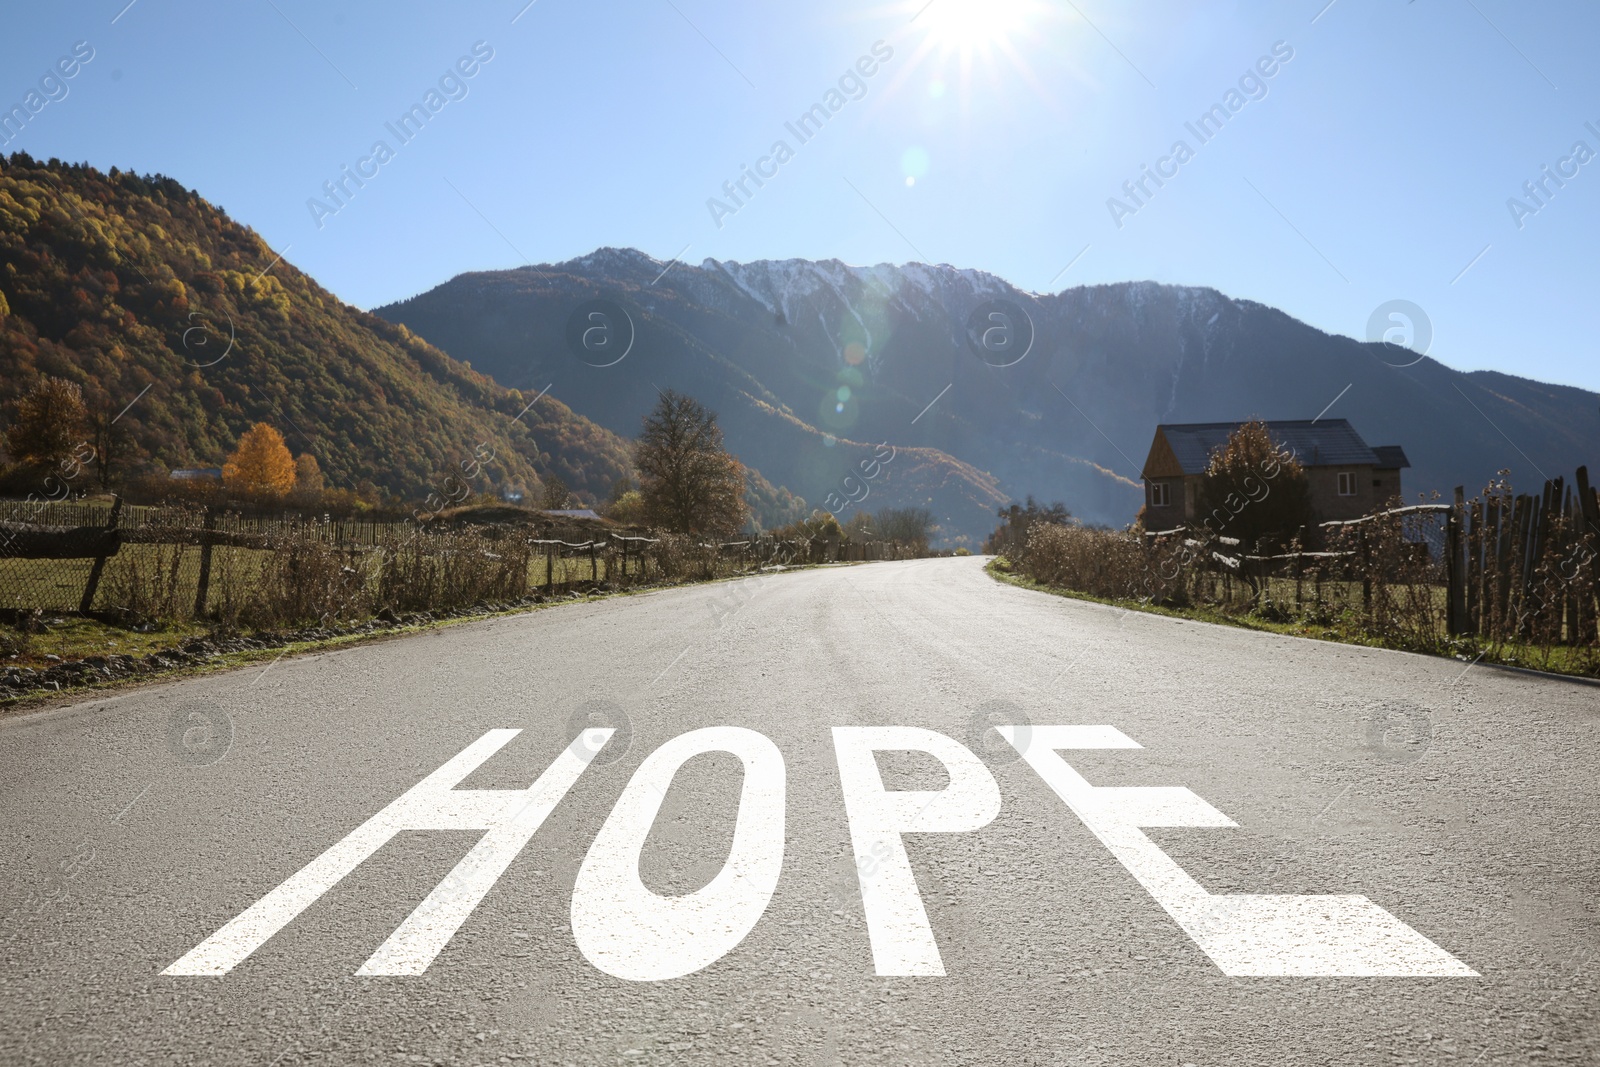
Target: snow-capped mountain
(811,364)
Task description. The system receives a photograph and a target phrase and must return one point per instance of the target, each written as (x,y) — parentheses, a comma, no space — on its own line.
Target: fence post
(1588,516)
(1366,575)
(1456,608)
(550,567)
(1571,529)
(1524,518)
(594,565)
(99,562)
(204,582)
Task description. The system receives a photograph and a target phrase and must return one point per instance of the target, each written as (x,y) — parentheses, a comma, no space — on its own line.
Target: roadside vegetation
(1525,587)
(97,590)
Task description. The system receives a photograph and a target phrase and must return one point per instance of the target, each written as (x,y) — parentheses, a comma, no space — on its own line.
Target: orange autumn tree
(261,466)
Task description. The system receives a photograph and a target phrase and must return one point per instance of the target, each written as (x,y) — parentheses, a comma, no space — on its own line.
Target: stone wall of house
(1374,491)
(1329,505)
(1174,514)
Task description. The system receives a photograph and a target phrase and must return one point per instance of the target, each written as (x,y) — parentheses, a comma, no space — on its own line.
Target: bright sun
(971,25)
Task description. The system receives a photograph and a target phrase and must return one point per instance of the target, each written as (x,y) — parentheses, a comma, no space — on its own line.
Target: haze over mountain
(811,364)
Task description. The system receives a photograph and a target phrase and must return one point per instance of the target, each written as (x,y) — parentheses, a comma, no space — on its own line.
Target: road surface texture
(1460,803)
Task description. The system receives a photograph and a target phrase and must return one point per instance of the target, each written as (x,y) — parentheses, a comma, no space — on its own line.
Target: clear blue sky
(1377,166)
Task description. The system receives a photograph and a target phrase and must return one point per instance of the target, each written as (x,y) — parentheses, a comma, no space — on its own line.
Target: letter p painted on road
(897,924)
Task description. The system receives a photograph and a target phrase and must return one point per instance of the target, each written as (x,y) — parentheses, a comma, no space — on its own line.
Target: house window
(1160,495)
(1347,483)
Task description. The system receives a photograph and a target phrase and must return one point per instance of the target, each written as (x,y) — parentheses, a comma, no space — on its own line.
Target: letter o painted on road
(629,931)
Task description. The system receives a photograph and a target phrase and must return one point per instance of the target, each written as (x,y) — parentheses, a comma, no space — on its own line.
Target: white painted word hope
(627,930)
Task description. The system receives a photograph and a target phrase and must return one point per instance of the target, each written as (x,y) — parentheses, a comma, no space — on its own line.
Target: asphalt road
(167,830)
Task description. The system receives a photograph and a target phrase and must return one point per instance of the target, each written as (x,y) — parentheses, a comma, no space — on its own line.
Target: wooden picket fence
(1502,567)
(1530,563)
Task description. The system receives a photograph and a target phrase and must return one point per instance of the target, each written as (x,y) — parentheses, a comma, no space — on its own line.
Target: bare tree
(909,526)
(689,481)
(556,493)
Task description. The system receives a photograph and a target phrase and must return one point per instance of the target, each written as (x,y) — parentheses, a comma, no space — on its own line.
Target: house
(196,474)
(1348,477)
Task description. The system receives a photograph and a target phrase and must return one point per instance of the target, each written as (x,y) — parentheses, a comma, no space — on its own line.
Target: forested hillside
(143,293)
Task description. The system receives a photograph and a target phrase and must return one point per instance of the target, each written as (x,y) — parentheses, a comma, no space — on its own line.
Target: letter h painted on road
(510,818)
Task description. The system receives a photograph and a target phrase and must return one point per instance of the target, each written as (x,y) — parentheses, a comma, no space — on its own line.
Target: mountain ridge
(1071,420)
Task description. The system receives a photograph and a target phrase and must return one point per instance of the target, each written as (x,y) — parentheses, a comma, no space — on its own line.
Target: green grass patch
(69,637)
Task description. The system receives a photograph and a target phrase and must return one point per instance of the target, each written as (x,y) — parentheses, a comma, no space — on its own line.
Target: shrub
(142,583)
(1011,535)
(305,579)
(453,569)
(1097,562)
(627,509)
(1256,491)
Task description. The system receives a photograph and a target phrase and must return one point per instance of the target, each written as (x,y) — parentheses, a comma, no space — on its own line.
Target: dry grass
(457,568)
(145,585)
(1378,583)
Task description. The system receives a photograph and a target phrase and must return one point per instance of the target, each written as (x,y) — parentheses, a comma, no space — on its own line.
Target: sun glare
(971,25)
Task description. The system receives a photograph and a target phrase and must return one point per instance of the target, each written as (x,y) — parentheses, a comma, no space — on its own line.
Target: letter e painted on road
(1245,934)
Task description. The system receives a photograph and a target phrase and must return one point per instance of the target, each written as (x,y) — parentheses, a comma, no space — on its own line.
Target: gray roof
(1315,443)
(1391,457)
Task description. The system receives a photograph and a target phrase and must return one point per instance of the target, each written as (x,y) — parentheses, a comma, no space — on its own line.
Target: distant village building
(1348,477)
(572,513)
(196,474)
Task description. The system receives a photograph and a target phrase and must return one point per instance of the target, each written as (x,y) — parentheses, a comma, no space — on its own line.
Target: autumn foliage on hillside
(140,292)
(261,467)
